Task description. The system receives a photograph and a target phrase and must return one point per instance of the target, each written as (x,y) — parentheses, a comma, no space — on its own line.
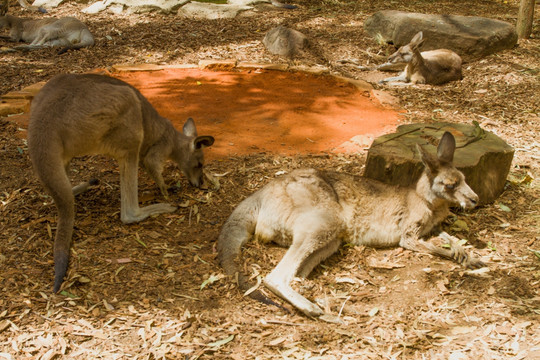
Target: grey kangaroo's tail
(236,231)
(282,5)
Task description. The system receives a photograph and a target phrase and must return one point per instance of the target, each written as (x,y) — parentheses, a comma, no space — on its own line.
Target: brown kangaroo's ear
(429,161)
(189,128)
(203,141)
(446,148)
(417,40)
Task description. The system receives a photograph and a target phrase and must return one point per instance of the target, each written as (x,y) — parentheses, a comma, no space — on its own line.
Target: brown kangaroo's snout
(467,197)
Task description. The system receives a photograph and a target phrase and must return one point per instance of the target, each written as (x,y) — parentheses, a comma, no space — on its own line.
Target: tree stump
(483,157)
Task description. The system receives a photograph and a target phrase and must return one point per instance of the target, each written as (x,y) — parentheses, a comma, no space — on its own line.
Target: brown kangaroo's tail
(236,231)
(50,170)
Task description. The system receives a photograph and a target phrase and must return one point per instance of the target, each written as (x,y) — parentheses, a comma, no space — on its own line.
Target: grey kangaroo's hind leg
(129,210)
(314,239)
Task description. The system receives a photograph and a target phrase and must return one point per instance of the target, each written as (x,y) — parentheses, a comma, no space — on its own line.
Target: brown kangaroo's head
(447,182)
(405,53)
(190,157)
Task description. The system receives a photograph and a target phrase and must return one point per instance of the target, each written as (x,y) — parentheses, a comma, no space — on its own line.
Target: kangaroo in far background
(67,32)
(427,67)
(75,115)
(313,212)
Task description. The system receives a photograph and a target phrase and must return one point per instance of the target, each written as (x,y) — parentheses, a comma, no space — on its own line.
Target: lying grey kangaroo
(75,115)
(428,67)
(67,32)
(313,212)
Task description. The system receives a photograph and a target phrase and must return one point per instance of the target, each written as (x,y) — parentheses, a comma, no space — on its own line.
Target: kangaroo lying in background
(313,212)
(428,67)
(75,115)
(66,32)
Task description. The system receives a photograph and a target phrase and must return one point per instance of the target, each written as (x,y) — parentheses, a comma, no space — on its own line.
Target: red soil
(264,110)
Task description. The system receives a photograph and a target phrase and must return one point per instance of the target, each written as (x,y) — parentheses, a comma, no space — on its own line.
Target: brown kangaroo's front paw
(474,264)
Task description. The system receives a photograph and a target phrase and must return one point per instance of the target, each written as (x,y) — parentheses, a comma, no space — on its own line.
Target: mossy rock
(482,156)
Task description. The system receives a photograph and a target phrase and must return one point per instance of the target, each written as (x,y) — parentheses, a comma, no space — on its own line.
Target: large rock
(471,37)
(47,3)
(483,157)
(135,6)
(211,11)
(284,41)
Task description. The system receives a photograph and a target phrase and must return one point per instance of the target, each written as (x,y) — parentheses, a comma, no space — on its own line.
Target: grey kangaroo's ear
(200,142)
(429,161)
(189,128)
(446,148)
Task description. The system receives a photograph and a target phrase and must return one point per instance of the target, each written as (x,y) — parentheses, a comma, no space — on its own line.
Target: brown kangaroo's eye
(450,186)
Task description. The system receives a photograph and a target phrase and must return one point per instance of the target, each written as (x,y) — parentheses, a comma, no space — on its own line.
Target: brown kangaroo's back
(428,67)
(312,212)
(76,115)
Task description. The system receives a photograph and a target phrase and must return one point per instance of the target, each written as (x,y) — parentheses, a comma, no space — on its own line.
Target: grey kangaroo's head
(447,182)
(190,157)
(405,53)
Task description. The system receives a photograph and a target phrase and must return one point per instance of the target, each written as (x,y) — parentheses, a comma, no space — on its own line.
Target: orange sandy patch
(251,111)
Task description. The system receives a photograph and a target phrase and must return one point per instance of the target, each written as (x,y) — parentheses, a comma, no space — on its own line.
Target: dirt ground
(261,110)
(153,290)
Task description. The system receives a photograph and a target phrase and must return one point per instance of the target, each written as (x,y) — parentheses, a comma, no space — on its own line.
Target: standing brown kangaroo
(428,67)
(75,115)
(313,212)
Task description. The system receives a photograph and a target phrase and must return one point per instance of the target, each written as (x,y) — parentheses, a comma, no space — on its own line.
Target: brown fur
(313,212)
(75,115)
(429,67)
